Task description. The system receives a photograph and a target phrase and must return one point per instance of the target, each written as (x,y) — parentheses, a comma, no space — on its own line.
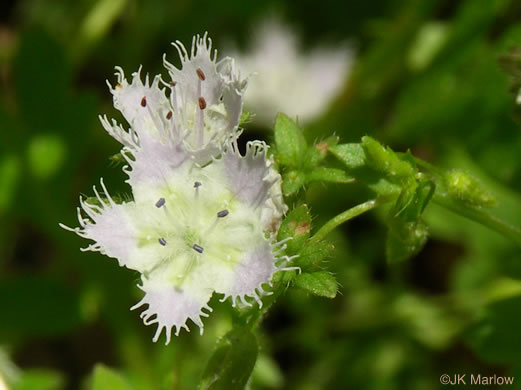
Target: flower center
(198,222)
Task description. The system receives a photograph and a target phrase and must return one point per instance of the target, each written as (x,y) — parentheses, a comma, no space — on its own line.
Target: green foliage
(313,254)
(232,362)
(301,164)
(319,283)
(38,379)
(353,156)
(407,233)
(104,378)
(495,336)
(462,186)
(318,152)
(297,227)
(383,159)
(289,141)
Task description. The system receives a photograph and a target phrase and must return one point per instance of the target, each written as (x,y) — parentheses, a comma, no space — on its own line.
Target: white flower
(203,217)
(285,80)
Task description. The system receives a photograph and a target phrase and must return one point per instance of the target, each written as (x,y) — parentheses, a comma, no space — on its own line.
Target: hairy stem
(480,216)
(343,217)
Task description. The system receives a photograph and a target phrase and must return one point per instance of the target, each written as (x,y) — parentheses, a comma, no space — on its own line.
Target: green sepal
(92,200)
(319,151)
(290,144)
(292,182)
(407,233)
(104,378)
(353,156)
(297,226)
(117,159)
(384,159)
(332,175)
(232,362)
(312,254)
(320,283)
(246,117)
(464,187)
(413,199)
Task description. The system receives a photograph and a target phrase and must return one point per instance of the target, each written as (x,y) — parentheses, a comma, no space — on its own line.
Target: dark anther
(160,202)
(200,74)
(222,213)
(202,103)
(197,184)
(169,115)
(162,241)
(198,248)
(144,101)
(173,83)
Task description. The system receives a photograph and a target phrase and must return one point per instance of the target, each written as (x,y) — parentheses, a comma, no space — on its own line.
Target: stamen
(144,101)
(197,184)
(162,241)
(222,213)
(198,248)
(173,102)
(169,115)
(202,103)
(200,74)
(160,202)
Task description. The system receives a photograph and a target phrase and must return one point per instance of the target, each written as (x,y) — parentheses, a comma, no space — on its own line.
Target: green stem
(343,217)
(473,213)
(481,217)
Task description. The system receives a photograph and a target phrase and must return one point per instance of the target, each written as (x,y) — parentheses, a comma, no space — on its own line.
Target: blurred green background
(426,76)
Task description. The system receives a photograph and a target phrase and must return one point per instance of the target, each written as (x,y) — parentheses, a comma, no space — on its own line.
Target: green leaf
(39,379)
(297,226)
(318,152)
(290,143)
(332,175)
(320,283)
(312,254)
(105,378)
(292,181)
(232,362)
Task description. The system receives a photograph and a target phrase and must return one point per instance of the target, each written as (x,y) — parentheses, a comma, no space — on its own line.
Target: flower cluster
(203,217)
(288,80)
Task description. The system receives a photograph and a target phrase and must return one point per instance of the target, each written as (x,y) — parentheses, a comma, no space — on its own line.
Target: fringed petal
(171,306)
(208,97)
(126,232)
(254,181)
(233,90)
(246,278)
(144,106)
(198,74)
